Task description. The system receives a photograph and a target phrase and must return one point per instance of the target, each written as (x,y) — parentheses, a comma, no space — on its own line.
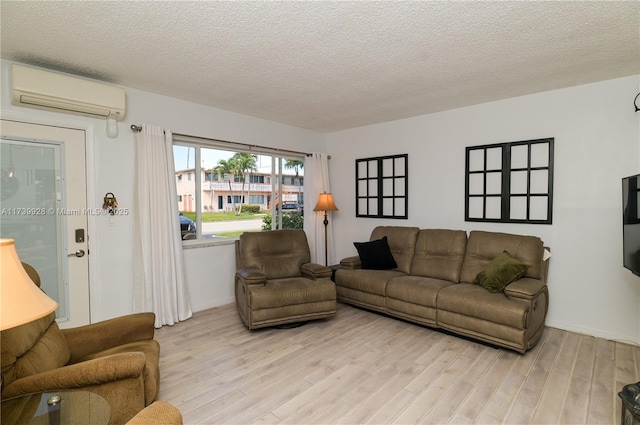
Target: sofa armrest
(315,271)
(103,370)
(351,262)
(525,288)
(158,412)
(89,339)
(251,276)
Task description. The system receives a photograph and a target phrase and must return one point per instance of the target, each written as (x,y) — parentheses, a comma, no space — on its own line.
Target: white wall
(111,162)
(597,138)
(596,143)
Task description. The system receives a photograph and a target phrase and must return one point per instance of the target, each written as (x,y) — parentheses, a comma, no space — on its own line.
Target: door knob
(78,253)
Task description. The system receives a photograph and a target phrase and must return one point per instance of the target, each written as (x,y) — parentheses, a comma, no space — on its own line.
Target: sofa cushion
(476,302)
(416,289)
(376,254)
(500,272)
(401,240)
(371,281)
(439,254)
(483,247)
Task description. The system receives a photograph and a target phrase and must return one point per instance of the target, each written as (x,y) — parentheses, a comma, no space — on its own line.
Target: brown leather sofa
(433,284)
(275,282)
(117,359)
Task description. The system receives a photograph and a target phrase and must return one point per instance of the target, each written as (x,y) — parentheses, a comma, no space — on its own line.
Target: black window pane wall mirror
(510,182)
(382,187)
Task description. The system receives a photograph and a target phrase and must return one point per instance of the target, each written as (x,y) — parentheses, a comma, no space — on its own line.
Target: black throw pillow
(376,254)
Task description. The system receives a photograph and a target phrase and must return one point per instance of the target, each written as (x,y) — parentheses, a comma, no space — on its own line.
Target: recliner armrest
(351,262)
(251,276)
(315,271)
(526,288)
(91,373)
(159,412)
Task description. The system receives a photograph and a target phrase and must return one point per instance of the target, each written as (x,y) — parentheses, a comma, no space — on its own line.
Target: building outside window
(237,184)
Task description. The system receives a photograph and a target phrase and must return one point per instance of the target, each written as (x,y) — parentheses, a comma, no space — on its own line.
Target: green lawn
(222,216)
(235,234)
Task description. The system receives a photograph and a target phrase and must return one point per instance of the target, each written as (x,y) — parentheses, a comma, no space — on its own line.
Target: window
(256,199)
(237,199)
(510,182)
(234,193)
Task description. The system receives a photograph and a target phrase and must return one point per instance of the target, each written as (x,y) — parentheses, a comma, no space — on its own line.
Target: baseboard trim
(215,303)
(597,333)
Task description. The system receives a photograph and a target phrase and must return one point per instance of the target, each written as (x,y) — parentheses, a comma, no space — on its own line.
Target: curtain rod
(138,128)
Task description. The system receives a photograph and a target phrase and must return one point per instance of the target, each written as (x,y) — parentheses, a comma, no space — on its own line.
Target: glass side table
(56,408)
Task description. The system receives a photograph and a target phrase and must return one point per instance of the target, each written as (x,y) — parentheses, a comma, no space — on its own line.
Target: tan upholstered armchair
(276,283)
(117,359)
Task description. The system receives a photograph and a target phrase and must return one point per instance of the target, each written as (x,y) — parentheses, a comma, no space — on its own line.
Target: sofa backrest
(439,253)
(401,240)
(483,247)
(277,253)
(32,348)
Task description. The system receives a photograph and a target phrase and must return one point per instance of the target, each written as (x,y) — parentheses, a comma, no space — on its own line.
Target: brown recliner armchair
(276,283)
(80,410)
(158,412)
(117,359)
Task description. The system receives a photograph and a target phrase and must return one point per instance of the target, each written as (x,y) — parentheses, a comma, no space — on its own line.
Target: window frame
(278,157)
(372,192)
(506,194)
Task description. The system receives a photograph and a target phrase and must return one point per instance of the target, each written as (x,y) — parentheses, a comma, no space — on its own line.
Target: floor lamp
(325,203)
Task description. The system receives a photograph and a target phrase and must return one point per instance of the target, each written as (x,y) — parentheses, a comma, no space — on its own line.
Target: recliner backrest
(32,348)
(439,254)
(401,240)
(277,254)
(483,247)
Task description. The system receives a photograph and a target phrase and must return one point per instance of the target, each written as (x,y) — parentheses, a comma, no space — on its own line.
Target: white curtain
(160,285)
(316,181)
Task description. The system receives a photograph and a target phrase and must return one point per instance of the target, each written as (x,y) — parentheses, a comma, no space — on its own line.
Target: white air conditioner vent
(40,89)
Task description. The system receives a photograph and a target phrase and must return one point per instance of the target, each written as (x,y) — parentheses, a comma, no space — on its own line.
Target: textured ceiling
(328,66)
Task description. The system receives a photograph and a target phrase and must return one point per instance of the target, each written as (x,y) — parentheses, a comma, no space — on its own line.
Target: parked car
(293,207)
(187,228)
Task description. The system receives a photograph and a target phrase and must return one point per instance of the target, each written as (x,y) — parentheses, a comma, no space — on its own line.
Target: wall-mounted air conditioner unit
(40,89)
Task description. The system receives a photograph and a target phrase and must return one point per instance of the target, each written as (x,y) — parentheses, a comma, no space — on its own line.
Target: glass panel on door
(31,202)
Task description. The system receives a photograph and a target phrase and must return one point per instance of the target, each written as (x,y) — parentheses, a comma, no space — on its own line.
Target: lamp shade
(21,300)
(325,203)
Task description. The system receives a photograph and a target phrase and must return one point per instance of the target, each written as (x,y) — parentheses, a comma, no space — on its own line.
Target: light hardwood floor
(362,367)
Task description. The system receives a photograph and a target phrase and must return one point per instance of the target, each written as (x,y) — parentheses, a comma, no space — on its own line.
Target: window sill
(207,243)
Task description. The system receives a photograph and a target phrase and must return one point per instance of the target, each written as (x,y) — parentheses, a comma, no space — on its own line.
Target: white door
(44,208)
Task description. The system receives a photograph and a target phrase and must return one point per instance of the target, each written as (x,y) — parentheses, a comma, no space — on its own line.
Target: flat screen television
(631,223)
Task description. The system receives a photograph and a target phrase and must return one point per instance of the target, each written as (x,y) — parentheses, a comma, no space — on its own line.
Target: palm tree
(296,164)
(243,163)
(226,167)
